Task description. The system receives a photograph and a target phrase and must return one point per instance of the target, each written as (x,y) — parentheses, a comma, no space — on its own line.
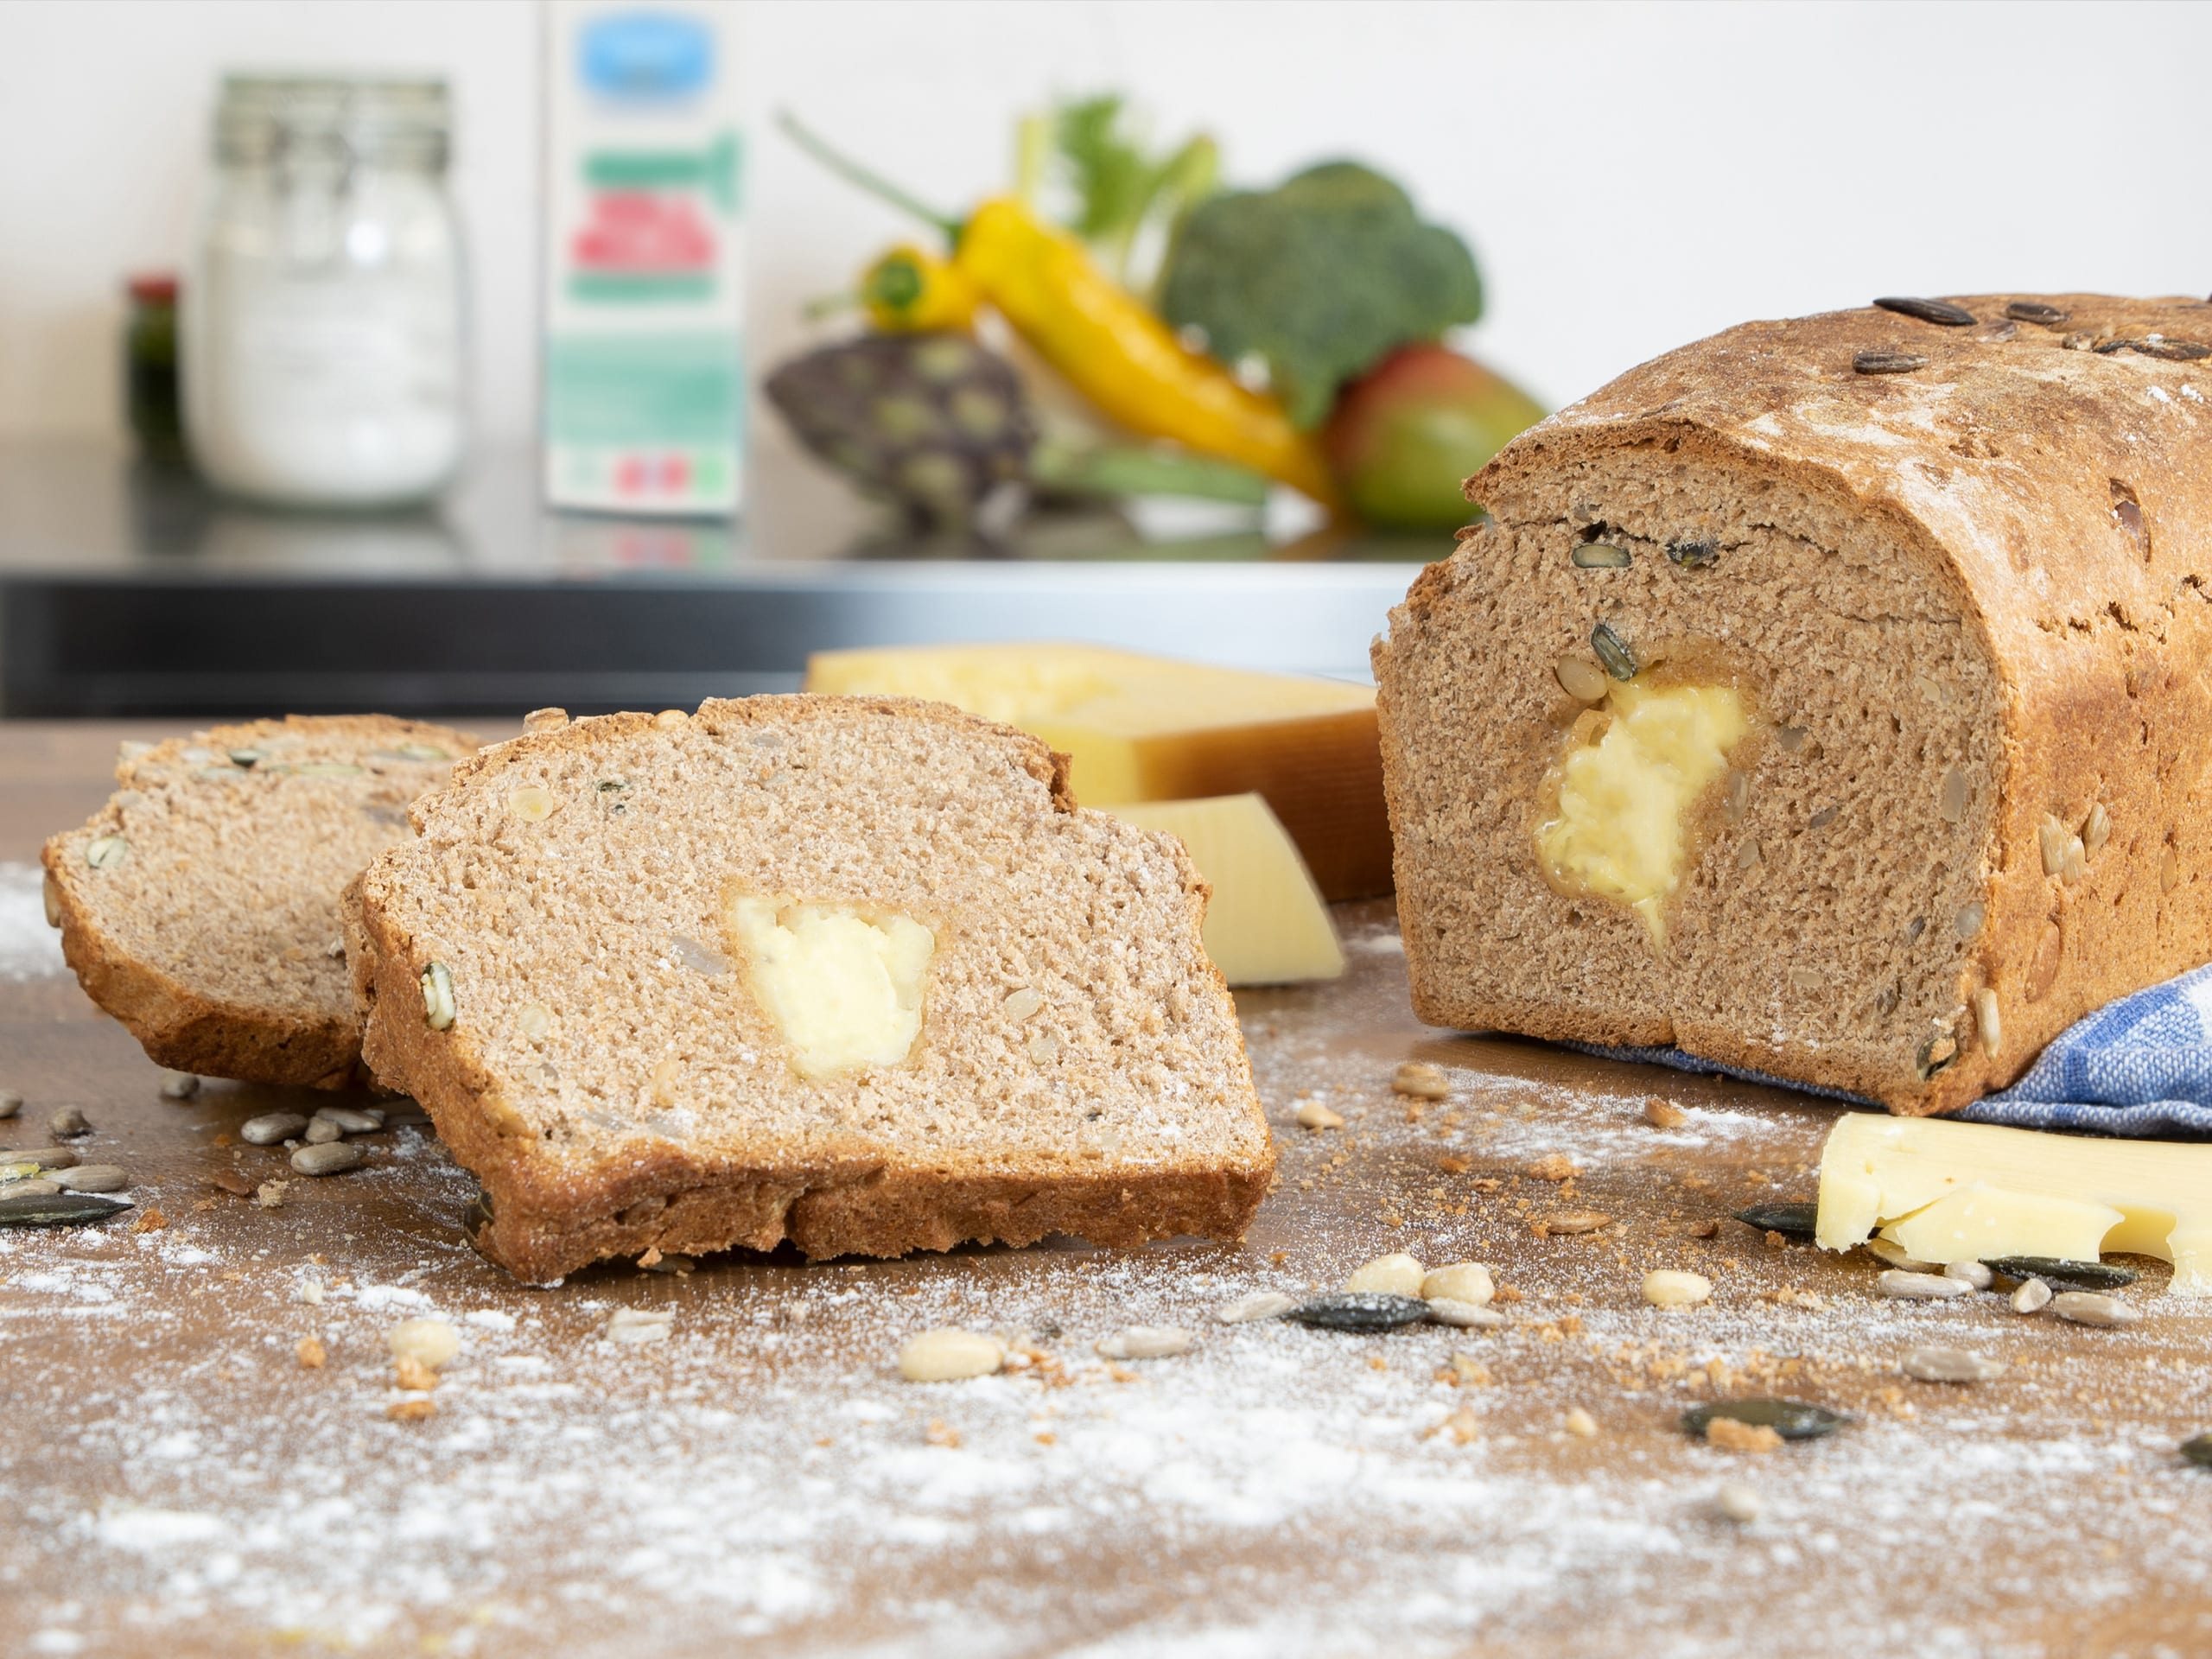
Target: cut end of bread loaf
(200,907)
(1822,716)
(852,972)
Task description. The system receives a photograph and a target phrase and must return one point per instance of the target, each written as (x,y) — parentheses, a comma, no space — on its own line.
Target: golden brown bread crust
(553,1214)
(177,1025)
(2061,479)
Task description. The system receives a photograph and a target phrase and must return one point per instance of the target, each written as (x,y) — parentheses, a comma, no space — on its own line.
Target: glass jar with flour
(324,326)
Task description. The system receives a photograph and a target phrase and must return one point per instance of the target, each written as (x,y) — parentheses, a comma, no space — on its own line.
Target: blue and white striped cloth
(2140,1066)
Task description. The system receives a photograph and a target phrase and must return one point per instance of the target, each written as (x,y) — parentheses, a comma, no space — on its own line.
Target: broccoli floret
(1319,278)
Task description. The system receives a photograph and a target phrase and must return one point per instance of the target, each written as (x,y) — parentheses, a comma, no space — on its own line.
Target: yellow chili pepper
(912,290)
(1111,347)
(1114,350)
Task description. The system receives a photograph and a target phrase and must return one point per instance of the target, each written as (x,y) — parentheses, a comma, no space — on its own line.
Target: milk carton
(643,375)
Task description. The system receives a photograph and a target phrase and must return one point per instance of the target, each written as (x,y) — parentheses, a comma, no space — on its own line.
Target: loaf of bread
(852,972)
(1827,698)
(199,906)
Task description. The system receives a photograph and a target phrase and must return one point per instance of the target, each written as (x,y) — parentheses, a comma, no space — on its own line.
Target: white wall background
(1631,176)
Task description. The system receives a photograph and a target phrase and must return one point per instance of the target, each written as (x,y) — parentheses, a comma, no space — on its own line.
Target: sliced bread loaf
(199,906)
(852,972)
(1827,697)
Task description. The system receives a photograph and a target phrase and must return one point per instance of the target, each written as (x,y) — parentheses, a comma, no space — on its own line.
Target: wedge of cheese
(1952,1192)
(1266,923)
(1149,728)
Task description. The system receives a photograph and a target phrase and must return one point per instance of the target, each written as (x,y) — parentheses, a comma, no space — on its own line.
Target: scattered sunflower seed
(1314,1116)
(93,1177)
(179,1085)
(352,1120)
(1260,1304)
(1672,1287)
(105,852)
(1144,1342)
(1580,1423)
(1359,1310)
(1421,1080)
(1793,1419)
(1600,555)
(2093,1307)
(321,1131)
(2048,316)
(10,1103)
(437,997)
(1950,1365)
(44,1157)
(334,1159)
(949,1356)
(69,1124)
(427,1342)
(1941,312)
(2198,1450)
(1570,1222)
(1612,650)
(1737,1502)
(2065,1275)
(633,1325)
(272,1128)
(1971,1273)
(2033,1297)
(1459,1282)
(1462,1316)
(31,1189)
(1396,1275)
(1886,362)
(58,1208)
(1889,1251)
(1791,1220)
(1920,1287)
(1579,678)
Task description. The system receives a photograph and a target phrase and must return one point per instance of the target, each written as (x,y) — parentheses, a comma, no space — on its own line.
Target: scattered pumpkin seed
(2094,1307)
(1793,1419)
(423,752)
(437,997)
(105,852)
(2048,316)
(1359,1310)
(1887,363)
(58,1208)
(2171,351)
(248,758)
(1950,1365)
(1612,650)
(2198,1450)
(1260,1304)
(1941,312)
(2065,1275)
(328,769)
(1791,1220)
(1601,555)
(1693,555)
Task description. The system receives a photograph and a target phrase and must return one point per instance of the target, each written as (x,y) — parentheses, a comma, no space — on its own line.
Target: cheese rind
(1150,729)
(1952,1192)
(1266,923)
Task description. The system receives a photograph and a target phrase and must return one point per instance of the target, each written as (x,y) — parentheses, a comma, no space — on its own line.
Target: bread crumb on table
(311,1353)
(411,1411)
(1731,1436)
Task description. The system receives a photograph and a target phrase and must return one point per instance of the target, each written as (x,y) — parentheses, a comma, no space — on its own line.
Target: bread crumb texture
(620,1077)
(200,907)
(1964,610)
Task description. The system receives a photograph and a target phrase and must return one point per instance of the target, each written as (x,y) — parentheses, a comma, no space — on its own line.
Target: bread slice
(1950,590)
(593,967)
(199,906)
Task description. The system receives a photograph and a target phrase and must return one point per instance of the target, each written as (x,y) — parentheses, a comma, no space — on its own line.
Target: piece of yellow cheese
(842,988)
(1266,923)
(1149,728)
(1619,831)
(1975,1191)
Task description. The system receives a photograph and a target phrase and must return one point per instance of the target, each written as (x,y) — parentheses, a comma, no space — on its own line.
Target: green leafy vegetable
(1319,279)
(1121,187)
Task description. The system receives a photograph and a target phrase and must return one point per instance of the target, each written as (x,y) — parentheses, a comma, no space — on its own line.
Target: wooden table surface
(177,1482)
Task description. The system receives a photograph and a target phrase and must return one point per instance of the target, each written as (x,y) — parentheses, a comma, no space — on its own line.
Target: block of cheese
(1266,923)
(1149,728)
(1973,1192)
